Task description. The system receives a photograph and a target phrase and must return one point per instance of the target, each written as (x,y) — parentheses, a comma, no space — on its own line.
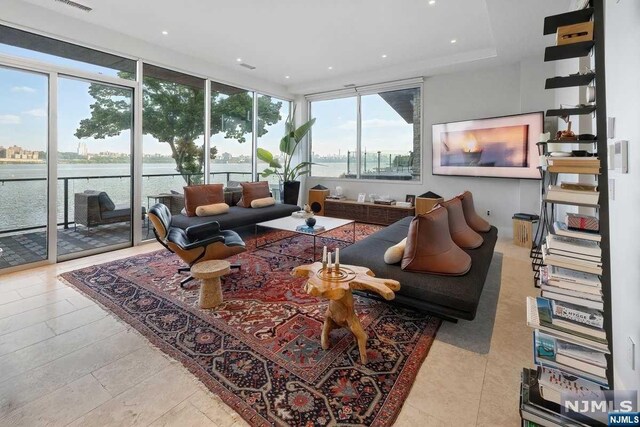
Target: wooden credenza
(366,212)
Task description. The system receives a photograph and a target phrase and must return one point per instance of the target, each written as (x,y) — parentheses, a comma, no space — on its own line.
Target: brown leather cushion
(430,249)
(200,195)
(475,221)
(252,191)
(460,231)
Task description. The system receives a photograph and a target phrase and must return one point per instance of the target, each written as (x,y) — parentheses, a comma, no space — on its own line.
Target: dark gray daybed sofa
(451,297)
(237,217)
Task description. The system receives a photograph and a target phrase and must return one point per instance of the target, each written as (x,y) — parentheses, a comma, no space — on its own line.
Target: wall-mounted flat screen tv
(501,147)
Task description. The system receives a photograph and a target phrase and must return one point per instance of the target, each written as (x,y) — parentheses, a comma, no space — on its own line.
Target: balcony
(23,213)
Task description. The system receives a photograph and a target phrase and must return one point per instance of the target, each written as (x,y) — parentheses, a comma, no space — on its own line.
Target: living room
(304,223)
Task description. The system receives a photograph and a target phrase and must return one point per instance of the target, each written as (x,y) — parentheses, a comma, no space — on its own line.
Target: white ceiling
(302,38)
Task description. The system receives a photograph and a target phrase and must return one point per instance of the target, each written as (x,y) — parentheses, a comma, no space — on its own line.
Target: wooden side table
(337,287)
(209,272)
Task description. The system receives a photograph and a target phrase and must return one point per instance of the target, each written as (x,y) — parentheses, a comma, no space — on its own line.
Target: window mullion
(358,136)
(207,132)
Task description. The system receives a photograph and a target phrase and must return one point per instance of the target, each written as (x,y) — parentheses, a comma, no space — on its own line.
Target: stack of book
(540,398)
(580,165)
(310,230)
(571,286)
(573,193)
(573,253)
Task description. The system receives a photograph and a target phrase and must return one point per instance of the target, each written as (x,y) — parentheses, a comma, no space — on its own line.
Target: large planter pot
(291,191)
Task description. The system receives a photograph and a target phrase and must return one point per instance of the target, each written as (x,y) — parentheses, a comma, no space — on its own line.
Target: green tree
(173,114)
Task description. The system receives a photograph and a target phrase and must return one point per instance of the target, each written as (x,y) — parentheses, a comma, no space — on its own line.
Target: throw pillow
(475,221)
(430,249)
(252,191)
(394,254)
(263,203)
(212,209)
(200,195)
(460,231)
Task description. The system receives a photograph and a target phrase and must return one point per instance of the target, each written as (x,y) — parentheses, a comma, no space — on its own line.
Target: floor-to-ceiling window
(272,115)
(231,134)
(372,133)
(24,127)
(95,131)
(335,137)
(66,138)
(73,160)
(173,124)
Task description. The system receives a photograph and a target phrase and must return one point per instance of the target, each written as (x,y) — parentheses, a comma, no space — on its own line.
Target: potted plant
(288,174)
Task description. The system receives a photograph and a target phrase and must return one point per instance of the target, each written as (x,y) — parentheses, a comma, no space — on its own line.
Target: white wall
(497,91)
(622,22)
(31,17)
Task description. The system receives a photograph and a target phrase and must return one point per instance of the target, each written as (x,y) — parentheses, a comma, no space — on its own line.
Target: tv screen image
(503,147)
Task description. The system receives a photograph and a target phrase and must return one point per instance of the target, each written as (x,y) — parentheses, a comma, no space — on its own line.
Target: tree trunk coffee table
(209,272)
(337,287)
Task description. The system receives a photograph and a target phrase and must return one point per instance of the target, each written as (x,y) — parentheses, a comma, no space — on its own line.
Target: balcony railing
(65,221)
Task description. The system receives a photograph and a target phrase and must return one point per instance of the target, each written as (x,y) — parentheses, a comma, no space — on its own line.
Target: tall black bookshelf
(596,47)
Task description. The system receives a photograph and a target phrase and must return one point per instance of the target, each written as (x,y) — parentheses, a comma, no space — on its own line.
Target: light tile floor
(66,361)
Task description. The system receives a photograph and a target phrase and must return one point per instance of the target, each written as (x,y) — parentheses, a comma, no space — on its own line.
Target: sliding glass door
(24,104)
(95,123)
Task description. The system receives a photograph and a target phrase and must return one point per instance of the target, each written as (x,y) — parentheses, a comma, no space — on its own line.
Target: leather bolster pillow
(263,202)
(394,254)
(212,209)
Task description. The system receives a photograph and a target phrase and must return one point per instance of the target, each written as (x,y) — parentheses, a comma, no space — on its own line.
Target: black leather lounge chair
(196,243)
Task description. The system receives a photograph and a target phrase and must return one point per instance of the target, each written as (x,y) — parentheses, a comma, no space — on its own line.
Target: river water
(24,204)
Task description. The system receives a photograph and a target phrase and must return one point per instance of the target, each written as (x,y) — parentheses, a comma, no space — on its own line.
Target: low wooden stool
(337,287)
(209,272)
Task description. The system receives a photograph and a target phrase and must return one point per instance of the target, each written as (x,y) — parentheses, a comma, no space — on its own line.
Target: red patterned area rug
(260,350)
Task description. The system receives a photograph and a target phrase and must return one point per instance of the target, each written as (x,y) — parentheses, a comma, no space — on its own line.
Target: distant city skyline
(24,105)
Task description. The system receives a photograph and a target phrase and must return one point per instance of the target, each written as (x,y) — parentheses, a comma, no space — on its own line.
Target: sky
(24,101)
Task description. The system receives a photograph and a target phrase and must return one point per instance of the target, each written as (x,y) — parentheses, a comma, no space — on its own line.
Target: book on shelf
(574,161)
(553,383)
(310,230)
(595,303)
(577,186)
(572,257)
(574,170)
(540,411)
(572,276)
(593,294)
(557,194)
(574,245)
(533,321)
(561,229)
(577,313)
(552,352)
(570,262)
(547,318)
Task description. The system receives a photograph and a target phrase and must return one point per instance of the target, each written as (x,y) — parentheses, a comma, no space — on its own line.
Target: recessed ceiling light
(165,32)
(286,77)
(384,55)
(453,41)
(432,2)
(330,68)
(238,59)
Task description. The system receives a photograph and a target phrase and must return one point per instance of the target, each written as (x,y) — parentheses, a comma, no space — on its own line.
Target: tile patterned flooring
(66,361)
